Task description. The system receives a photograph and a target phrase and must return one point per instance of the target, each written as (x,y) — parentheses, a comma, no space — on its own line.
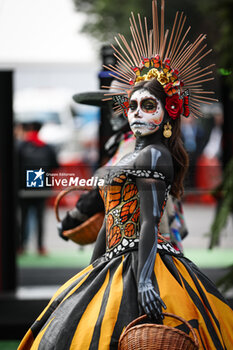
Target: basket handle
(143,317)
(65,192)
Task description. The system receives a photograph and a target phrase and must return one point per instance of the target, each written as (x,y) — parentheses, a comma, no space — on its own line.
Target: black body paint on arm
(150,208)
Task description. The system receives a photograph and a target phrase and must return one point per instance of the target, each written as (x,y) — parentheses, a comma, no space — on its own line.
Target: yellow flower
(139,79)
(153,73)
(163,79)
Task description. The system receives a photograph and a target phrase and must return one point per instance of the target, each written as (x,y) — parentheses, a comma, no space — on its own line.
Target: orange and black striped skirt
(90,311)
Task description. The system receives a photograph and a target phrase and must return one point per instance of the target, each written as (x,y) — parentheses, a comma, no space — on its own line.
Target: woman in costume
(172,225)
(134,270)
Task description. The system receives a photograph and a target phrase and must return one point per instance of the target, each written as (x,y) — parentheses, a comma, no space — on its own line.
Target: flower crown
(174,63)
(161,71)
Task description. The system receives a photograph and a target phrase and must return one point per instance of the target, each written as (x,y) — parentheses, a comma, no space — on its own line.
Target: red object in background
(208,176)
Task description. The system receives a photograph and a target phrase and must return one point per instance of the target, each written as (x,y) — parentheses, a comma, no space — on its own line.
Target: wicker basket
(87,232)
(148,336)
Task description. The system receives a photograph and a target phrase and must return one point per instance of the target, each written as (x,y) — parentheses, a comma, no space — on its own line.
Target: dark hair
(32,126)
(174,143)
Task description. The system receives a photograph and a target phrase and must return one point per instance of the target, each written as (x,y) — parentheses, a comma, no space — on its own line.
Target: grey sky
(42,31)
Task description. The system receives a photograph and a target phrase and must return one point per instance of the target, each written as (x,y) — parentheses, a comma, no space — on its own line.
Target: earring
(167,131)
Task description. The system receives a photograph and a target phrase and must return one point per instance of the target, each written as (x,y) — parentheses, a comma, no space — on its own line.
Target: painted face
(145,113)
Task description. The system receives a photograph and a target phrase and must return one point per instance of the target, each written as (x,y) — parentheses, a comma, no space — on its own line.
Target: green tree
(107,18)
(218,18)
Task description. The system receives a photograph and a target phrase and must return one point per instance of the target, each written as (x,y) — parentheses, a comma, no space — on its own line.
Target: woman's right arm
(152,194)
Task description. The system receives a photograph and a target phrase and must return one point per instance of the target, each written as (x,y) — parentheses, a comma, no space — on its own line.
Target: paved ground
(198,218)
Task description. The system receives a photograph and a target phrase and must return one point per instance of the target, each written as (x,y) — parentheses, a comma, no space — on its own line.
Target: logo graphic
(35,178)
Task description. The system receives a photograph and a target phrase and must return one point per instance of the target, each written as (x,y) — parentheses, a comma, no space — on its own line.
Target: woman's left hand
(150,300)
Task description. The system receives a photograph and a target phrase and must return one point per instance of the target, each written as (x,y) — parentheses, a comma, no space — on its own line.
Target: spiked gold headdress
(165,57)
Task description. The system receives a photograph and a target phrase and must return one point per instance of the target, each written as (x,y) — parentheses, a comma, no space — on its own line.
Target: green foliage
(219,16)
(225,206)
(106,18)
(9,344)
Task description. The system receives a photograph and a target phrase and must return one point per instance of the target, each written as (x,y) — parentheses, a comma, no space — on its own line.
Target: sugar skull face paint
(145,113)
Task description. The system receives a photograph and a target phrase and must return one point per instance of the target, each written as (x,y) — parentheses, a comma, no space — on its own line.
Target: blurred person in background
(19,134)
(213,148)
(32,153)
(209,164)
(193,135)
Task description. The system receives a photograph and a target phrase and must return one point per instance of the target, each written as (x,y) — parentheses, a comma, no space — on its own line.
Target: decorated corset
(122,211)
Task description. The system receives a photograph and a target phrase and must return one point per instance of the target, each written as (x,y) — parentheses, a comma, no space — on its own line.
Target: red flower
(167,61)
(174,106)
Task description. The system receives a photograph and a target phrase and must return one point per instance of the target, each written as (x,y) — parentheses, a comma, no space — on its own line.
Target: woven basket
(85,233)
(148,336)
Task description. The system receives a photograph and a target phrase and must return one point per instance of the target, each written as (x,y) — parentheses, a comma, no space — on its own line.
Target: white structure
(51,60)
(40,40)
